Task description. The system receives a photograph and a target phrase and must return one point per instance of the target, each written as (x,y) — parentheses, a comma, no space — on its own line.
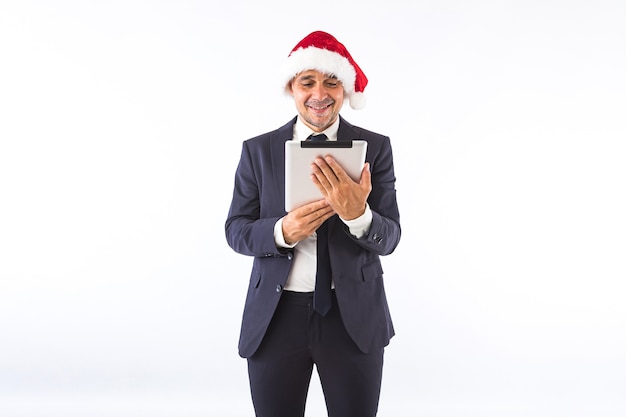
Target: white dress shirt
(302,274)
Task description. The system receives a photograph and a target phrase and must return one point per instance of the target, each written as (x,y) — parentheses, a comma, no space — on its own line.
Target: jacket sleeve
(246,232)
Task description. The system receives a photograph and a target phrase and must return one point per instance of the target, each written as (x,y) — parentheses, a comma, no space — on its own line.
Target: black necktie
(323,277)
(314,136)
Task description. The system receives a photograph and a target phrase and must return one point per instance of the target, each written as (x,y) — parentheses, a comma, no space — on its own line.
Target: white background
(121,125)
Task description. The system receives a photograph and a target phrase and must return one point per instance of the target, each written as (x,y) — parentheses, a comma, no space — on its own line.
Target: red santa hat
(322,52)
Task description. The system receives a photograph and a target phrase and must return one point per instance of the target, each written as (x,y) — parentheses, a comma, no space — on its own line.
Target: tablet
(299,188)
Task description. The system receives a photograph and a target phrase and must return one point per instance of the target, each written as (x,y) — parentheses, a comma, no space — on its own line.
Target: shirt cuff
(361,225)
(279,239)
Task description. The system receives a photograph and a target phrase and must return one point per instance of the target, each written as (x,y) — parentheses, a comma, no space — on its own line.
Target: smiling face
(318,98)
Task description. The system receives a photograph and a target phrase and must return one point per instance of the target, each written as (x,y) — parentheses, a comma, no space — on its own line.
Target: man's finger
(337,169)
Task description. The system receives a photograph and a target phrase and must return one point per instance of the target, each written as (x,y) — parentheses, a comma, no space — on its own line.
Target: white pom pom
(358,101)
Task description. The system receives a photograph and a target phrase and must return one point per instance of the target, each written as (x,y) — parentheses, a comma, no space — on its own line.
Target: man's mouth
(319,107)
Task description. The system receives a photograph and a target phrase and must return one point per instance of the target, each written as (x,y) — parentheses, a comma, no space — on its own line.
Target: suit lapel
(346,131)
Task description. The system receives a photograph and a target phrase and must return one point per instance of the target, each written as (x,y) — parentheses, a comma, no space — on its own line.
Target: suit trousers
(297,339)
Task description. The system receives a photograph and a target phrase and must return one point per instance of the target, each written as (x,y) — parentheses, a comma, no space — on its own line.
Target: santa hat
(322,52)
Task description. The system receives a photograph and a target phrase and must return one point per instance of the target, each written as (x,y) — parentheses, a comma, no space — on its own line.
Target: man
(316,293)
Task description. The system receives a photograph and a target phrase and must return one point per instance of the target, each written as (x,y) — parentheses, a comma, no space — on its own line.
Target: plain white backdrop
(121,125)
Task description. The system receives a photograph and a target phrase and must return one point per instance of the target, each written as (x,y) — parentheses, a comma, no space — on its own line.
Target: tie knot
(321,137)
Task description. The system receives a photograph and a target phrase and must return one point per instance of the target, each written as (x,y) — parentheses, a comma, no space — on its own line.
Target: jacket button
(290,256)
(279,288)
(377,238)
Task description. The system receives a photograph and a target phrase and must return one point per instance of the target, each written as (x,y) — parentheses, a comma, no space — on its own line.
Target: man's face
(318,98)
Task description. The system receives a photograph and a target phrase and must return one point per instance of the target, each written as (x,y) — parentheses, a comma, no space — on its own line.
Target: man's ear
(289,88)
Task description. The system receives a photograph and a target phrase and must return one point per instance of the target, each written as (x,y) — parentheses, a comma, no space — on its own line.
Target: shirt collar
(302,131)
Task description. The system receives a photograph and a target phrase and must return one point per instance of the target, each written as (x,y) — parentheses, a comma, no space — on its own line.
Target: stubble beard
(326,120)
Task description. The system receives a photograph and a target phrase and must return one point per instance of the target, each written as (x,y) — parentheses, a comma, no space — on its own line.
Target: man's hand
(300,223)
(346,197)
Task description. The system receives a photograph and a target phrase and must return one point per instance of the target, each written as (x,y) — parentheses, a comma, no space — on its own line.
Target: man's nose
(320,92)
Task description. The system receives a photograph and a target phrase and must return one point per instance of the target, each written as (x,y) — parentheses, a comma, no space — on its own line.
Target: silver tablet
(299,188)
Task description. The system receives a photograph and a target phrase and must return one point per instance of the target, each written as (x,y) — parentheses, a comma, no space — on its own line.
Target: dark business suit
(258,202)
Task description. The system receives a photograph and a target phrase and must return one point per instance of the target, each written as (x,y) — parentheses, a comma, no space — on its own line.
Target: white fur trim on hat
(321,60)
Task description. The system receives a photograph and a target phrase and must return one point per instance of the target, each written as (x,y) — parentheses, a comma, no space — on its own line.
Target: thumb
(366,176)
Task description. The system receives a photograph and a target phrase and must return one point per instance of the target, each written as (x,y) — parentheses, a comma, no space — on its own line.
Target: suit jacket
(258,202)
